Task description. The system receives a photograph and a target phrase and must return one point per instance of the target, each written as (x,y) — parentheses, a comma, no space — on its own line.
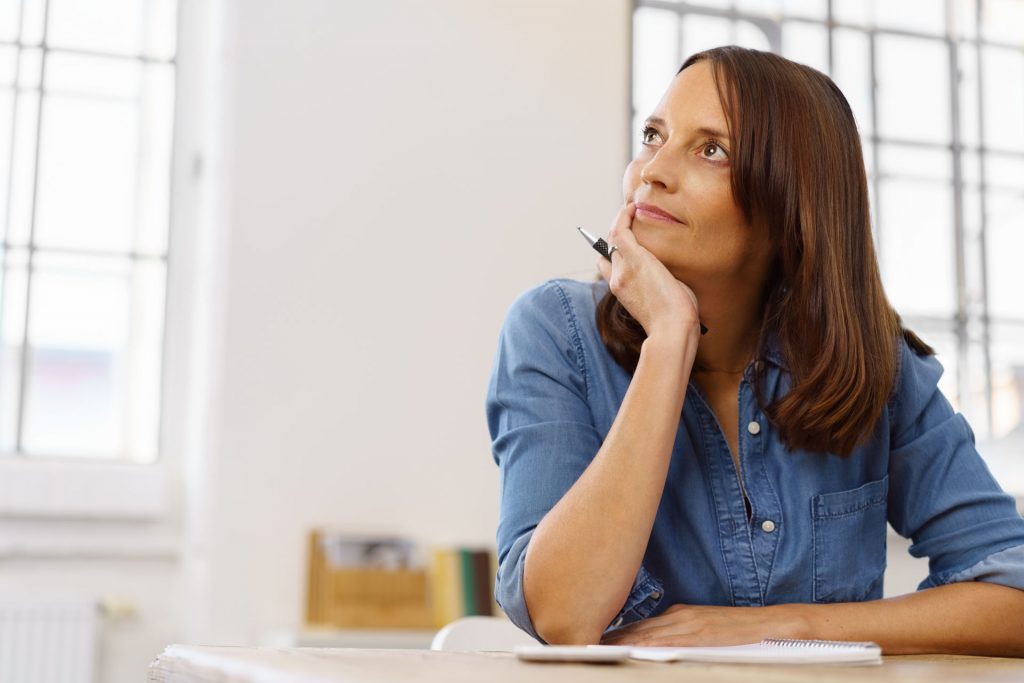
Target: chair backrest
(472,634)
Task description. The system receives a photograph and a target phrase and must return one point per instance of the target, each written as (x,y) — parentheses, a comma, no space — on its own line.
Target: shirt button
(767,526)
(618,622)
(656,595)
(754,428)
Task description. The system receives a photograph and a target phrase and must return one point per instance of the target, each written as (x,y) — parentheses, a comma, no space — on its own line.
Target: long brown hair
(798,167)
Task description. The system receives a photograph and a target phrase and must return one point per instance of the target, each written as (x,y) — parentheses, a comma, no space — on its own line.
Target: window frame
(971,323)
(101,491)
(32,250)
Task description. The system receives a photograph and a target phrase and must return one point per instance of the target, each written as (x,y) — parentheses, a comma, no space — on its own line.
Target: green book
(468,585)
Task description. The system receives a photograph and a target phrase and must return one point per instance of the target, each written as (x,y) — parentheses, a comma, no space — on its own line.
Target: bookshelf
(391,586)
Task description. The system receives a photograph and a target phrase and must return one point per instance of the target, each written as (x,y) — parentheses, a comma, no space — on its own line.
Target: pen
(602,248)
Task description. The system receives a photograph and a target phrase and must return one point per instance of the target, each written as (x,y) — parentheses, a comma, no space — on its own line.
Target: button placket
(733,524)
(764,529)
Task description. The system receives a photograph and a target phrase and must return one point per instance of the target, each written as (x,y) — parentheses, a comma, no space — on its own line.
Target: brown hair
(797,166)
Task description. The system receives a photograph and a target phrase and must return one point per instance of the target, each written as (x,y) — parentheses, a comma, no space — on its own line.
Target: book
(462,583)
(446,587)
(768,651)
(482,582)
(468,587)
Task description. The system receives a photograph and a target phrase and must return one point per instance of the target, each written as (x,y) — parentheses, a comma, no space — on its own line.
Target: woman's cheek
(630,180)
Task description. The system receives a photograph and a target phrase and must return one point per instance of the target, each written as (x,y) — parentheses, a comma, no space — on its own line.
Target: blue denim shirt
(817,530)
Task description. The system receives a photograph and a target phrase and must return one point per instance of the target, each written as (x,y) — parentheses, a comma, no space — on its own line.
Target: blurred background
(256,254)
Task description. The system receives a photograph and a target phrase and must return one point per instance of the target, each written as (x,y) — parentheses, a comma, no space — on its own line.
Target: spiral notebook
(769,651)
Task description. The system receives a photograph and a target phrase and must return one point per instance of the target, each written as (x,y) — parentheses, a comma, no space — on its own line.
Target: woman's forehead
(692,102)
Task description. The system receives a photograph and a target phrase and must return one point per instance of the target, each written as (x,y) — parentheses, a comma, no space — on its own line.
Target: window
(86,112)
(938,92)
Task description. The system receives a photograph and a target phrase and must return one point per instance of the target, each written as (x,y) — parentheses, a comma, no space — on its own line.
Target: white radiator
(48,641)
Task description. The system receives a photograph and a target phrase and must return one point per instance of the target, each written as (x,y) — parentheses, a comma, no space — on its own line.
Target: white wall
(399,171)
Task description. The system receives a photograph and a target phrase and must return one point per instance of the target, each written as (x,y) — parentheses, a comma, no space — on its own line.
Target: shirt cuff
(508,588)
(1005,567)
(645,595)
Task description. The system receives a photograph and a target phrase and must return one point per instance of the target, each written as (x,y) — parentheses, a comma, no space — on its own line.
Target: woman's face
(683,169)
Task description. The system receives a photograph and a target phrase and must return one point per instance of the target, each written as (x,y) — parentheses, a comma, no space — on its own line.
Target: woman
(663,487)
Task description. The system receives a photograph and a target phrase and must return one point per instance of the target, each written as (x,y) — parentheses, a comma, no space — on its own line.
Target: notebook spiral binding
(787,642)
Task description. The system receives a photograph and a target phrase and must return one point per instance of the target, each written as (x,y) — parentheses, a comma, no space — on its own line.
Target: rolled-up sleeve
(542,432)
(942,495)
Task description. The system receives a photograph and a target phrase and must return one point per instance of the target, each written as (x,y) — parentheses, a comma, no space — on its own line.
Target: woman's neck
(734,329)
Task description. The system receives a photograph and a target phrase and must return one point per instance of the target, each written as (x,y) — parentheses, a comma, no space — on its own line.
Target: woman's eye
(646,133)
(711,144)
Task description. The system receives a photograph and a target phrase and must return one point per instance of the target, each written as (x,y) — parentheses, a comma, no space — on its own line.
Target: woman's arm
(585,553)
(969,618)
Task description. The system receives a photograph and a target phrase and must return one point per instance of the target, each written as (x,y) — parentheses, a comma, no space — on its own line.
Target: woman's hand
(644,286)
(691,625)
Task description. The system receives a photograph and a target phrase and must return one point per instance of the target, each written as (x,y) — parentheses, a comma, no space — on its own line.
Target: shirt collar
(773,351)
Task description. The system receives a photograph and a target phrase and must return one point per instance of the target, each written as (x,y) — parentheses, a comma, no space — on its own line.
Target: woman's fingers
(640,282)
(670,621)
(621,235)
(617,235)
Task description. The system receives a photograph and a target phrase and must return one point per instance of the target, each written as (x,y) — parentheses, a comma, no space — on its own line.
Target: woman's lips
(654,214)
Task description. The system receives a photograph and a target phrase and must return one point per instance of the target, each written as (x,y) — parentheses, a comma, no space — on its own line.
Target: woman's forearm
(971,618)
(584,555)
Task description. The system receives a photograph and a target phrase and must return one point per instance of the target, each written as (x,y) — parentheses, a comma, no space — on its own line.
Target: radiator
(48,640)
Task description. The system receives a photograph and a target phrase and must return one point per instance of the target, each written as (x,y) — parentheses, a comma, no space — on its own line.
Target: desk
(193,664)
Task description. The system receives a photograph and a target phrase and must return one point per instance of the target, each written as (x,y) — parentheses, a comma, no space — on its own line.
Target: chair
(471,634)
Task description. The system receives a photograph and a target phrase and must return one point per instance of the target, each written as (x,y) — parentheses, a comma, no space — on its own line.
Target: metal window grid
(958,324)
(30,248)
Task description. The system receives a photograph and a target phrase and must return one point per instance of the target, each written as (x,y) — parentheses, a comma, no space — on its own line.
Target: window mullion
(963,394)
(983,224)
(30,274)
(876,182)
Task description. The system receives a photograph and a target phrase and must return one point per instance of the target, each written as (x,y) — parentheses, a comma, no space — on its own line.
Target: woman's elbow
(567,632)
(557,624)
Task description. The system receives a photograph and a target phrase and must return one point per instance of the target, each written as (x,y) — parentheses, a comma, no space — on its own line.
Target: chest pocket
(849,543)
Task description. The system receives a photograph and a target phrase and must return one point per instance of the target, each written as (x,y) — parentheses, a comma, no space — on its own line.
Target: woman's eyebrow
(703,130)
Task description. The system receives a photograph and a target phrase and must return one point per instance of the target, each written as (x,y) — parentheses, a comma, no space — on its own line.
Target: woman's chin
(666,248)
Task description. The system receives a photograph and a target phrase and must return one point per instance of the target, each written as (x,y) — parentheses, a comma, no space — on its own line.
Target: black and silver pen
(602,248)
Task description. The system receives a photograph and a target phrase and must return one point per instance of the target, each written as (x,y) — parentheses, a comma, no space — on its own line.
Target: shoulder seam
(570,318)
(894,396)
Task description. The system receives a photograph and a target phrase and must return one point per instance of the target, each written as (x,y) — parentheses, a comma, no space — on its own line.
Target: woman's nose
(659,171)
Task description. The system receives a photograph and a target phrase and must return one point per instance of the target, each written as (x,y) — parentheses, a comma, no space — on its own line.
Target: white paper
(757,653)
